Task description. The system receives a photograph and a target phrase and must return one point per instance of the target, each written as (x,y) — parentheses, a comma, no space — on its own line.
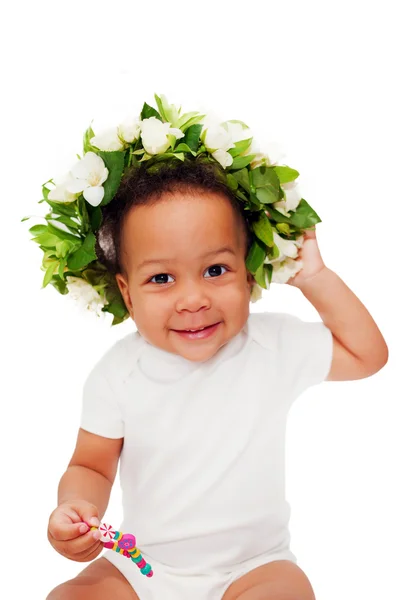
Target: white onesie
(202,469)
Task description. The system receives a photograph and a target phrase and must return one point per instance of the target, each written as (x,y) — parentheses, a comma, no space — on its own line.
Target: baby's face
(185,269)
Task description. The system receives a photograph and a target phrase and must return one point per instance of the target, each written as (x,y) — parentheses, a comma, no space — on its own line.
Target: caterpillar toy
(123,543)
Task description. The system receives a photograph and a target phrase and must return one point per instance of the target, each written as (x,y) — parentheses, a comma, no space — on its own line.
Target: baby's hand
(70,536)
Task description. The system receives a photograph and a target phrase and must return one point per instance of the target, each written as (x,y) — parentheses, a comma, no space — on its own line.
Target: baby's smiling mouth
(197,328)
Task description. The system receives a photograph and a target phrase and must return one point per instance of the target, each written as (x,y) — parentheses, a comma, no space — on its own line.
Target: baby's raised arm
(83,495)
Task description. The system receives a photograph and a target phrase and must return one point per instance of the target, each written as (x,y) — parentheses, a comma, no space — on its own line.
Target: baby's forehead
(180,228)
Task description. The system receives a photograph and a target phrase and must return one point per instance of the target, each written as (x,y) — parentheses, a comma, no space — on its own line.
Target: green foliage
(84,255)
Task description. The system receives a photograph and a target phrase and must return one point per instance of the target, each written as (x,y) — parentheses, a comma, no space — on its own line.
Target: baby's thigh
(98,581)
(277,580)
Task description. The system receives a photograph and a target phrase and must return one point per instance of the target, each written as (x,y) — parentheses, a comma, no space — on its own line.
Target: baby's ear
(250,279)
(122,283)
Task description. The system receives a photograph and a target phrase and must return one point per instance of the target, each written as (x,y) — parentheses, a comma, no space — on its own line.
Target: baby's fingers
(62,532)
(81,546)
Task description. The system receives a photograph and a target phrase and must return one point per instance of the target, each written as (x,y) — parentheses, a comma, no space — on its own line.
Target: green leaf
(114,162)
(63,263)
(286,174)
(172,140)
(192,137)
(265,176)
(263,230)
(116,307)
(38,229)
(277,216)
(240,147)
(180,155)
(231,181)
(266,195)
(268,270)
(241,161)
(84,255)
(47,240)
(169,111)
(66,247)
(26,218)
(65,208)
(304,217)
(275,253)
(259,276)
(49,273)
(242,177)
(255,257)
(68,222)
(241,196)
(284,228)
(63,235)
(83,214)
(148,112)
(96,218)
(193,121)
(87,136)
(182,147)
(59,285)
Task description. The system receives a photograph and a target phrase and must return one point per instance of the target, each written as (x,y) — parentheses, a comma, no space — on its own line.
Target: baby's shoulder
(119,359)
(267,328)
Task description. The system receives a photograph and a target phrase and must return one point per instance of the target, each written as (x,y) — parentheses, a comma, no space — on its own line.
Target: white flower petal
(224,158)
(107,141)
(76,186)
(85,295)
(217,138)
(176,133)
(129,129)
(292,195)
(282,272)
(61,194)
(94,194)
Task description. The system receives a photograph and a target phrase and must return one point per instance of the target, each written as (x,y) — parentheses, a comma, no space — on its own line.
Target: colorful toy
(123,543)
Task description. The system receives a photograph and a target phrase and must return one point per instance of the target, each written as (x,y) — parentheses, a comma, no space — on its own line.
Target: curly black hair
(145,184)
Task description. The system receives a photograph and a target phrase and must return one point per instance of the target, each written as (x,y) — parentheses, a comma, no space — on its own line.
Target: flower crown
(268,190)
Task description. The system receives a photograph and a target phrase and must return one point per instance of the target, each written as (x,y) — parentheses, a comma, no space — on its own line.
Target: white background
(320,79)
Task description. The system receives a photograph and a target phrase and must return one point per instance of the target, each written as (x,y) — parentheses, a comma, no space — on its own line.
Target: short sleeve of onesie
(305,352)
(302,349)
(100,411)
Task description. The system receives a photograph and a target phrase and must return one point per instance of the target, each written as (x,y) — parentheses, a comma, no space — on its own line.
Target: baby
(193,405)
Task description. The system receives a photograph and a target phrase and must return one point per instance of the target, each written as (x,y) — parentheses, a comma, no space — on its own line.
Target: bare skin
(278,580)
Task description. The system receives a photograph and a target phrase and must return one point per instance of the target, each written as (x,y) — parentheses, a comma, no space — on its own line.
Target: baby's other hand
(70,536)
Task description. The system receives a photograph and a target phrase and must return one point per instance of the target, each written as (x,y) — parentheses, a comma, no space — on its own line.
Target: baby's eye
(216,269)
(161,276)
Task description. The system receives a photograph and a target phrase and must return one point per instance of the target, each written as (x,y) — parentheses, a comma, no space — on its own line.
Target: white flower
(88,175)
(286,269)
(117,138)
(85,295)
(154,135)
(60,192)
(129,129)
(287,248)
(291,200)
(218,141)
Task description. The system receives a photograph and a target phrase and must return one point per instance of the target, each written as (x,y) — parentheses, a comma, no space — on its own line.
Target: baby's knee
(100,580)
(61,592)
